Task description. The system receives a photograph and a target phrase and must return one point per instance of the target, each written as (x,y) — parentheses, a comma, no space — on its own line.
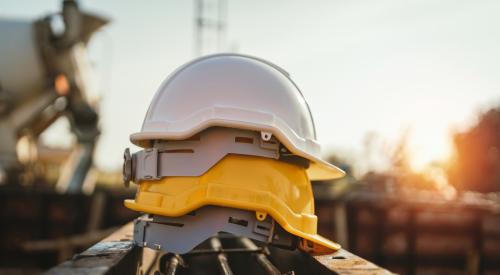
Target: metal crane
(43,75)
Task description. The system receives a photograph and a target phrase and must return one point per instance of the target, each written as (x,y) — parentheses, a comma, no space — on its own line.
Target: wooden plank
(344,262)
(65,247)
(117,254)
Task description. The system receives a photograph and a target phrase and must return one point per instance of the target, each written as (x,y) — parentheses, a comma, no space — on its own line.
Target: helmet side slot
(248,140)
(176,224)
(237,221)
(178,151)
(263,227)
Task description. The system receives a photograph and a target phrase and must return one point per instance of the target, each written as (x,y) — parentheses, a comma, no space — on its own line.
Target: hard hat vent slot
(181,151)
(237,221)
(269,141)
(262,227)
(176,224)
(243,140)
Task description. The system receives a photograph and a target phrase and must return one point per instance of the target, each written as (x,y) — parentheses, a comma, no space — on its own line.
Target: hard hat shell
(235,91)
(264,185)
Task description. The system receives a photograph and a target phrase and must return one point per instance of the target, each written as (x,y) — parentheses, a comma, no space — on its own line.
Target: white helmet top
(235,91)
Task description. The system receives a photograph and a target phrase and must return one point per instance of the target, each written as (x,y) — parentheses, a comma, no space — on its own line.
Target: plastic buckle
(147,164)
(271,143)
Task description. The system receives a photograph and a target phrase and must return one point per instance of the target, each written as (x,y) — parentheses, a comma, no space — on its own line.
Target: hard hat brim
(241,119)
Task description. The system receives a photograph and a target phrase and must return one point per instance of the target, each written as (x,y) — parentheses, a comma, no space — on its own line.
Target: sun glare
(427,146)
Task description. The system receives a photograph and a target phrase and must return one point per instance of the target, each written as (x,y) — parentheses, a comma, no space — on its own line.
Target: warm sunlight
(427,146)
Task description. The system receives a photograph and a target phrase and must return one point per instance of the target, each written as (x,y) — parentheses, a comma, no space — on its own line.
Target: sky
(367,68)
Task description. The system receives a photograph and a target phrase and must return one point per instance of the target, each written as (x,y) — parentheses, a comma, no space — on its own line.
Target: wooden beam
(117,254)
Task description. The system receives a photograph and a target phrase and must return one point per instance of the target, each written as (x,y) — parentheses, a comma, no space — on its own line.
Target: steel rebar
(224,250)
(261,257)
(222,257)
(172,265)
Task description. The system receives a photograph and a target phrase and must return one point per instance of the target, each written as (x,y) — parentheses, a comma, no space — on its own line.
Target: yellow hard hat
(259,184)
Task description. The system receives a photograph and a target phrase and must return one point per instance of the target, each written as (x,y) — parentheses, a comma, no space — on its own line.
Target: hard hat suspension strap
(195,156)
(182,234)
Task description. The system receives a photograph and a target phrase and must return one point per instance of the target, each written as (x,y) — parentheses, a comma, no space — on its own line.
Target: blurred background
(405,96)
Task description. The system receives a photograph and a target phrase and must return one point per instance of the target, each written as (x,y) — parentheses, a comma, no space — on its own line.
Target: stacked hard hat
(229,146)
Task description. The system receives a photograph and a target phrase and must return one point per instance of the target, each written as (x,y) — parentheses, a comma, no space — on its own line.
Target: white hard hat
(235,91)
